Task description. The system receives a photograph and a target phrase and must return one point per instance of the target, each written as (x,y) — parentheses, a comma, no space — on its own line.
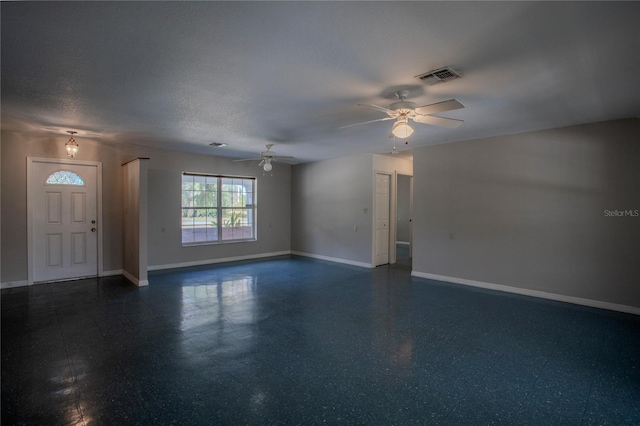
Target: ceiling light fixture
(71,146)
(267,165)
(401,128)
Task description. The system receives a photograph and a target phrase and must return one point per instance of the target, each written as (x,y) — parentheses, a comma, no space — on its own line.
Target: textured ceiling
(181,75)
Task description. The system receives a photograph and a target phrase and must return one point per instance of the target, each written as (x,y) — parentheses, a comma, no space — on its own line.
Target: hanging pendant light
(71,146)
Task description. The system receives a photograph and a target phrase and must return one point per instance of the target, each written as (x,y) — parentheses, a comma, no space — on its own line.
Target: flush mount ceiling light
(71,146)
(401,128)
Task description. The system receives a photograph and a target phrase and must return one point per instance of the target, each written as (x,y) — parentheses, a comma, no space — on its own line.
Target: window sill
(217,243)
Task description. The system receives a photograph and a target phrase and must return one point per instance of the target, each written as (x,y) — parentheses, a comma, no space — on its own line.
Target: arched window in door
(65,177)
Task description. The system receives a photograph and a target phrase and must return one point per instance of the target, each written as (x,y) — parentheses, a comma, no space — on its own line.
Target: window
(217,209)
(64,177)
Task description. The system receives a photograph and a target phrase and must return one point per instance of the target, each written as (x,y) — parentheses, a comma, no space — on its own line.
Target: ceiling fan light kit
(401,129)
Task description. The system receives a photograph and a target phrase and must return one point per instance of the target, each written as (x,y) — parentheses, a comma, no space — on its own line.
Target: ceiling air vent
(218,144)
(438,76)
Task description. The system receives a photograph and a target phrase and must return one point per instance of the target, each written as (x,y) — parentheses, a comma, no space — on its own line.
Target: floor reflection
(233,300)
(217,318)
(391,315)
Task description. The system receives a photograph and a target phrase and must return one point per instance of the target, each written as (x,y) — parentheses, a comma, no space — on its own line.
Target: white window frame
(221,219)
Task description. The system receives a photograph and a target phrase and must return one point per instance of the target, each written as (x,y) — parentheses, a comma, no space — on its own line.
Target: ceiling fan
(403,111)
(268,156)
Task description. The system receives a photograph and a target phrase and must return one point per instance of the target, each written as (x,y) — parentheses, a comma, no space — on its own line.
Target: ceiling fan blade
(288,160)
(247,159)
(437,121)
(379,108)
(367,122)
(283,157)
(449,105)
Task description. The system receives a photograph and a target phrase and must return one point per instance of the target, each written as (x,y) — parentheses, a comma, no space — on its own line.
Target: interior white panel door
(64,221)
(382,218)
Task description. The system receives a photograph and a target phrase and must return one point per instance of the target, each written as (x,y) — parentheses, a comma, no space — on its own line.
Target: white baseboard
(220,260)
(14,284)
(403,243)
(533,293)
(24,283)
(134,280)
(333,259)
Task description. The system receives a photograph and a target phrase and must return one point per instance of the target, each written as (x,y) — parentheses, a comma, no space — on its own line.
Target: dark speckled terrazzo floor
(300,341)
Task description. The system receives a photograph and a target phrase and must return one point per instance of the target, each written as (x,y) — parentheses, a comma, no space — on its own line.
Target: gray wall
(528,211)
(164,179)
(328,200)
(273,208)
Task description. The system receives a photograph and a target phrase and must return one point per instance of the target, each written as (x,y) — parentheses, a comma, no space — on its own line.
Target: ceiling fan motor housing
(403,107)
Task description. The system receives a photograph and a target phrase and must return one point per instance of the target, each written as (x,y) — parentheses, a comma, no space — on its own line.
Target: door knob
(93,229)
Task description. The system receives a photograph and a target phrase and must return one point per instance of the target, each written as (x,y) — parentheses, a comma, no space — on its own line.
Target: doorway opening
(404,220)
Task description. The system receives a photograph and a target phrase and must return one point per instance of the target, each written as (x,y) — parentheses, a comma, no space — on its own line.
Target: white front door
(382,218)
(64,215)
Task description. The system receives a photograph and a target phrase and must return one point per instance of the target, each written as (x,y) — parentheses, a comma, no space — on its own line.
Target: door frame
(392,217)
(30,204)
(411,217)
(410,176)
